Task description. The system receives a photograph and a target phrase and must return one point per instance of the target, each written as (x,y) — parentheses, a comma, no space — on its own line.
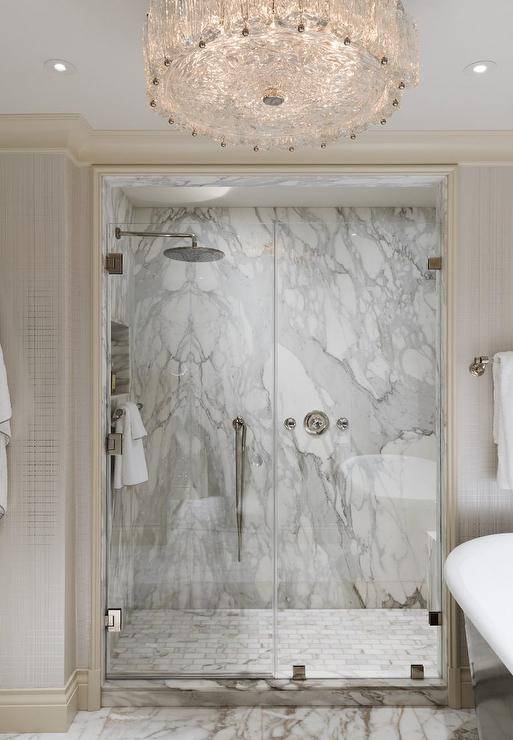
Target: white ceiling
(103,39)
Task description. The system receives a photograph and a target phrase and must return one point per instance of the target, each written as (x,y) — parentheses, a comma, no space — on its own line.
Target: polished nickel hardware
(417,672)
(434,263)
(119,233)
(114,263)
(240,448)
(194,253)
(478,366)
(299,673)
(435,619)
(316,422)
(289,423)
(115,443)
(114,620)
(118,413)
(343,424)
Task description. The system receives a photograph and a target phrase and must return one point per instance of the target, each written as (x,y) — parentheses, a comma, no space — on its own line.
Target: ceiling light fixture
(278,73)
(61,66)
(481,67)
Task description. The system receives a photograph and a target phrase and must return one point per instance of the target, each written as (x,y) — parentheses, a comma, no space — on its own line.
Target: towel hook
(118,413)
(478,365)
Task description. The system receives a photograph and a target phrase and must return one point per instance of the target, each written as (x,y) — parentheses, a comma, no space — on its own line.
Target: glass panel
(200,354)
(357,338)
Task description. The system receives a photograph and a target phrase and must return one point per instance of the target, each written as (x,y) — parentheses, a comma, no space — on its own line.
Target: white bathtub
(479,574)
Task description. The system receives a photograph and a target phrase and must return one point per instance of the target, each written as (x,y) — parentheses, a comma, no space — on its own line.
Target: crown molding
(87,146)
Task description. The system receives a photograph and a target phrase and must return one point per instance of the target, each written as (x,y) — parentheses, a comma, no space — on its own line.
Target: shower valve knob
(343,424)
(289,423)
(316,422)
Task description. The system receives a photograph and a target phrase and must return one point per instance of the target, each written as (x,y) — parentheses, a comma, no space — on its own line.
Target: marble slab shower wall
(202,355)
(357,316)
(356,330)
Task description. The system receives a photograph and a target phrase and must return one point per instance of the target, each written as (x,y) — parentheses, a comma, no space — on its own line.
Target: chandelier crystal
(278,73)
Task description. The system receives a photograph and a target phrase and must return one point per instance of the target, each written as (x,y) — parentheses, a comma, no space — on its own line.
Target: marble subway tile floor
(240,723)
(331,643)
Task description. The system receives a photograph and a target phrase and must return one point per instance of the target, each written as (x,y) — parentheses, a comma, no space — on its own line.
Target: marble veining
(356,330)
(311,308)
(253,180)
(243,723)
(203,348)
(329,642)
(321,692)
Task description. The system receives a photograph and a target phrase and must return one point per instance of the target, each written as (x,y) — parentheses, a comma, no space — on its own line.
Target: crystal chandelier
(278,73)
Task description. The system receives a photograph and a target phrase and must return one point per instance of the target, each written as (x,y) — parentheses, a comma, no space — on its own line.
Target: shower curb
(272,692)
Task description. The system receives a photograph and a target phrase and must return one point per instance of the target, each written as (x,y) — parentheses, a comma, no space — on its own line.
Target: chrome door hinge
(434,263)
(114,443)
(435,619)
(114,263)
(114,620)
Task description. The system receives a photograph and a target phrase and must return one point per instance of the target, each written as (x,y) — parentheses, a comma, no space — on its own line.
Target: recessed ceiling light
(481,67)
(61,66)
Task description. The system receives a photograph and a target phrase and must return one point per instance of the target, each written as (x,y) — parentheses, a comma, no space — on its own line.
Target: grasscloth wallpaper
(44,330)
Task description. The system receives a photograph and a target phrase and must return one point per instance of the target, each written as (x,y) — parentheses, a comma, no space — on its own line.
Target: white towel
(130,467)
(503,417)
(5,433)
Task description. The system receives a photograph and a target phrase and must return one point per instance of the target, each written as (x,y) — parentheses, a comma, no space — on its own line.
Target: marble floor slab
(331,643)
(240,723)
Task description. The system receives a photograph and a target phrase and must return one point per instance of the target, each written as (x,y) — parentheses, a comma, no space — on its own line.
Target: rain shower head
(193,253)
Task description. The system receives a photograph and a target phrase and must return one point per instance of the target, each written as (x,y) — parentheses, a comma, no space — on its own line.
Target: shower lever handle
(240,454)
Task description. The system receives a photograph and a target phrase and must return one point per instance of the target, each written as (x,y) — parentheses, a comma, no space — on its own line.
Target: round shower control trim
(316,422)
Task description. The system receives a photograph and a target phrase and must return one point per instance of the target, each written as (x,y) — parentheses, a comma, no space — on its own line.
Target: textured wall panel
(37,536)
(80,443)
(31,537)
(483,325)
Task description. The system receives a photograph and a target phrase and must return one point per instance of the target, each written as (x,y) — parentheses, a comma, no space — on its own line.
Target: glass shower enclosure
(290,395)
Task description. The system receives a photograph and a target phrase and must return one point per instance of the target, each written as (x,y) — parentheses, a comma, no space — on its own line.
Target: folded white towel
(130,467)
(503,417)
(5,433)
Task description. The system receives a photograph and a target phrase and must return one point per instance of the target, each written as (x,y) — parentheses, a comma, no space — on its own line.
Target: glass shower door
(193,577)
(357,331)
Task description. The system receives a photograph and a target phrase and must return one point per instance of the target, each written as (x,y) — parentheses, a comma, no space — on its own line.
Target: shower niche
(315,543)
(120,358)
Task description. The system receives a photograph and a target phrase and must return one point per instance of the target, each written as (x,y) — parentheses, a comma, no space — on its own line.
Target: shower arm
(118,233)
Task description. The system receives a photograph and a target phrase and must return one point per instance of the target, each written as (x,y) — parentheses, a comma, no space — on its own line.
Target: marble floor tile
(241,723)
(85,726)
(183,723)
(381,723)
(331,643)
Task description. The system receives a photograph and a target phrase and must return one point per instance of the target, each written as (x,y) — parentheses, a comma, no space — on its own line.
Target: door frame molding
(101,173)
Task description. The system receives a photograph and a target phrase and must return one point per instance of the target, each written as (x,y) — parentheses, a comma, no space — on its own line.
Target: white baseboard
(46,710)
